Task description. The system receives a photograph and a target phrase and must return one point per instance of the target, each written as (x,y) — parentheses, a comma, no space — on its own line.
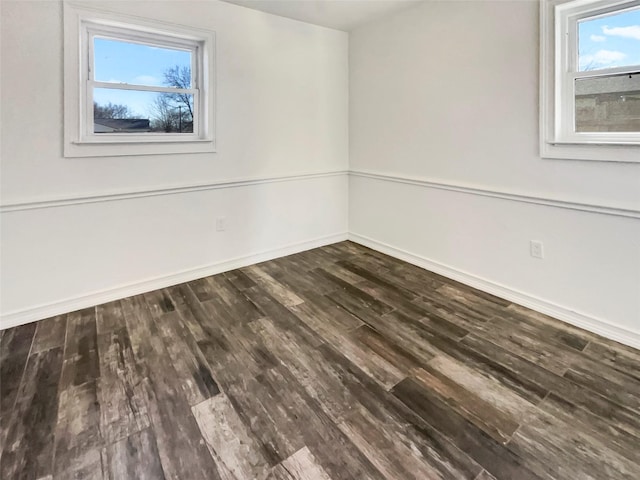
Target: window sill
(150,141)
(595,143)
(165,146)
(623,153)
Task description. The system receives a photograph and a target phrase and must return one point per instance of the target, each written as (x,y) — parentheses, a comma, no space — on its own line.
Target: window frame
(559,69)
(82,25)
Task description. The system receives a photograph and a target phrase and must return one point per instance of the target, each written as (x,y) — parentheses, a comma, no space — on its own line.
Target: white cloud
(601,58)
(632,31)
(598,38)
(145,80)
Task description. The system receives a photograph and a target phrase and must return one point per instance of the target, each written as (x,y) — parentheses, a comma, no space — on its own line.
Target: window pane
(608,103)
(122,62)
(132,111)
(609,41)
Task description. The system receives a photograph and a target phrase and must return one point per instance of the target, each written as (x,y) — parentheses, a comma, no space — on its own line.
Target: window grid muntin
(567,16)
(124,33)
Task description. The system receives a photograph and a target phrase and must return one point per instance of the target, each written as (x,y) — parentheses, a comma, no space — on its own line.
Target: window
(590,73)
(135,86)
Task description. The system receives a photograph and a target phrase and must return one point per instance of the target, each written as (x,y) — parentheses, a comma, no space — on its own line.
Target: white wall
(442,139)
(282,98)
(444,104)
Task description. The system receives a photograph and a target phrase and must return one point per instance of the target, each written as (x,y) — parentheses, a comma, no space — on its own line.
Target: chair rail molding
(163,190)
(504,195)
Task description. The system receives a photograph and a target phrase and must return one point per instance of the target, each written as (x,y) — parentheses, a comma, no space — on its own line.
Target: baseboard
(15,318)
(586,322)
(592,324)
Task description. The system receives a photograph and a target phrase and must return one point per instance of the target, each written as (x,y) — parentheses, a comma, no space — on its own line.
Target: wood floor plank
(474,299)
(407,276)
(485,386)
(192,313)
(494,457)
(15,345)
(391,453)
(544,380)
(548,446)
(485,416)
(278,291)
(109,317)
(434,305)
(204,289)
(50,333)
(81,362)
(78,439)
(618,387)
(484,475)
(606,432)
(135,457)
(282,316)
(393,327)
(28,448)
(401,359)
(625,361)
(325,317)
(302,276)
(302,465)
(193,372)
(264,411)
(159,302)
(342,250)
(123,408)
(529,346)
(395,417)
(379,281)
(237,453)
(245,353)
(571,336)
(353,299)
(320,379)
(300,281)
(239,280)
(548,334)
(333,450)
(180,445)
(377,366)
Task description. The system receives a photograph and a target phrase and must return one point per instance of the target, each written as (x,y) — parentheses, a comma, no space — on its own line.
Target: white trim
(411,180)
(79,139)
(516,197)
(167,190)
(592,324)
(20,317)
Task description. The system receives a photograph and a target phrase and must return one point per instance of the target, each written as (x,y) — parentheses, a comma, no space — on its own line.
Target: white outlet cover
(537,249)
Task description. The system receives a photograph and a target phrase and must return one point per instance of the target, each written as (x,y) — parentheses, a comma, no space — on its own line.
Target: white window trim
(79,139)
(555,140)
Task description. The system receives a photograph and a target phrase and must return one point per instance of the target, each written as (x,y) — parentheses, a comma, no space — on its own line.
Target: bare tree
(180,77)
(173,112)
(111,110)
(164,117)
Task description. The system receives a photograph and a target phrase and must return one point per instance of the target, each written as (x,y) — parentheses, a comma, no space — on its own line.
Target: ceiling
(339,14)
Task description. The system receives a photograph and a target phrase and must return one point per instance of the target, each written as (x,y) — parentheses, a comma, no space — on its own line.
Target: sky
(122,62)
(611,41)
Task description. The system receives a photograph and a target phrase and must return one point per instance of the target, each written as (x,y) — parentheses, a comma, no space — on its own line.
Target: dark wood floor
(337,363)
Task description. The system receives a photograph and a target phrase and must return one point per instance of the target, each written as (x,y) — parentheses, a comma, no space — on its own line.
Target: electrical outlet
(537,249)
(221,224)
